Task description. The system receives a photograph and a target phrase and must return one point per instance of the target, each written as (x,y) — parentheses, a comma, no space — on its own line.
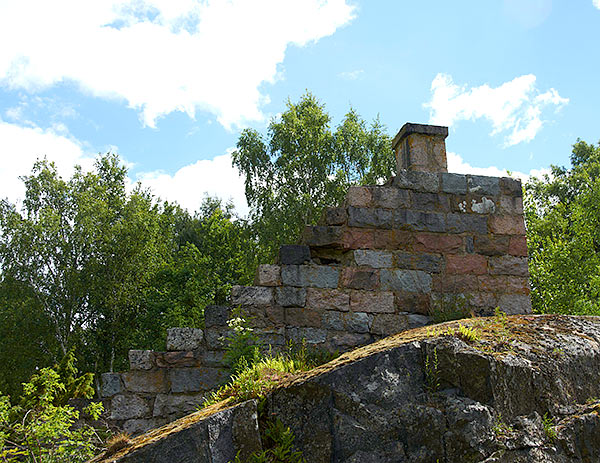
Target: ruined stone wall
(425,245)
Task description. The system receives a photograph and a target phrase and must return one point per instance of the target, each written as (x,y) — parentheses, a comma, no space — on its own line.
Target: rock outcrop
(518,389)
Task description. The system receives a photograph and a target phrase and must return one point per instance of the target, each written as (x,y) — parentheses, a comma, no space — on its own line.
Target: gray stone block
(125,407)
(178,405)
(511,186)
(390,198)
(388,324)
(417,321)
(332,320)
(472,223)
(322,276)
(482,185)
(216,338)
(289,296)
(140,359)
(372,301)
(430,202)
(268,275)
(454,183)
(111,384)
(251,295)
(469,245)
(293,275)
(375,259)
(184,338)
(153,381)
(418,181)
(430,263)
(509,265)
(213,358)
(196,379)
(368,217)
(137,426)
(345,340)
(414,281)
(294,254)
(322,235)
(310,335)
(216,315)
(514,304)
(335,216)
(426,221)
(358,322)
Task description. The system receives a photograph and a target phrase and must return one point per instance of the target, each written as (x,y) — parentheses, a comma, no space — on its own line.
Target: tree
(82,251)
(303,166)
(216,250)
(563,232)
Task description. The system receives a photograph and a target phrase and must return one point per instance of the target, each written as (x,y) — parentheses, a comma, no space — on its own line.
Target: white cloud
(161,56)
(457,165)
(596,3)
(514,108)
(188,186)
(22,146)
(352,75)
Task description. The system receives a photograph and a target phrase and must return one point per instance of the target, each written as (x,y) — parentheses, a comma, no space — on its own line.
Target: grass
(256,379)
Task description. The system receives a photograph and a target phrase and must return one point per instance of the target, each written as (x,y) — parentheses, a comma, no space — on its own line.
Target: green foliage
(303,166)
(39,430)
(243,346)
(432,374)
(86,267)
(502,429)
(279,442)
(562,213)
(259,375)
(549,427)
(468,334)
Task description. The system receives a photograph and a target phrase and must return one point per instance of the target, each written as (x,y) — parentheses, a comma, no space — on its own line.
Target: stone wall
(425,245)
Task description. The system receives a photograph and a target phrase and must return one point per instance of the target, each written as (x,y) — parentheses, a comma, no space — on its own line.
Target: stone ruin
(426,245)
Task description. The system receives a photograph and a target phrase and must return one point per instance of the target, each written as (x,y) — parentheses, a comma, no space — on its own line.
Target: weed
(255,379)
(432,374)
(243,345)
(501,429)
(549,427)
(468,334)
(279,441)
(116,443)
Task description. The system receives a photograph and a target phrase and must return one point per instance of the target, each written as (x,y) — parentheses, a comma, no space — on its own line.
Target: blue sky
(169,84)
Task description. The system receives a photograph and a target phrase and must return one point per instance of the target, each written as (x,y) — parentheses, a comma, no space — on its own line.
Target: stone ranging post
(426,245)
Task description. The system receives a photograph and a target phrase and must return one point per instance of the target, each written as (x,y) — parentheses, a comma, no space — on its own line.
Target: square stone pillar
(421,147)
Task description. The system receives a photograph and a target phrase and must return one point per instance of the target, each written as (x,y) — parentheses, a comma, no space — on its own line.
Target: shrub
(42,431)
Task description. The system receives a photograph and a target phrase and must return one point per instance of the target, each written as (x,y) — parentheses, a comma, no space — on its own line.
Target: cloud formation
(514,108)
(457,165)
(596,3)
(22,146)
(161,56)
(189,185)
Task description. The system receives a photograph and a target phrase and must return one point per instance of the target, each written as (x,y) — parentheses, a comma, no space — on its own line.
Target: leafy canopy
(302,165)
(563,232)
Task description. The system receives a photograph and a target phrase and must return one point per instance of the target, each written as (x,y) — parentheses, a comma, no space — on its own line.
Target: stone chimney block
(421,147)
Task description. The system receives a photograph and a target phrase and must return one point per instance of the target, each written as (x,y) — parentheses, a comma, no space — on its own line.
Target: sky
(170,84)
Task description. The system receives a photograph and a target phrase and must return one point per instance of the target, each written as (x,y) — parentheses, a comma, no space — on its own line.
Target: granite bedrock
(391,257)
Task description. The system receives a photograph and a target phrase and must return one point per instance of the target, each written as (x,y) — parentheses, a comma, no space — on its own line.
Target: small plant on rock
(243,345)
(549,427)
(432,374)
(279,442)
(468,334)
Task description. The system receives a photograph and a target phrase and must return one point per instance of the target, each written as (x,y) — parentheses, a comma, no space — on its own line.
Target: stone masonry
(425,245)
